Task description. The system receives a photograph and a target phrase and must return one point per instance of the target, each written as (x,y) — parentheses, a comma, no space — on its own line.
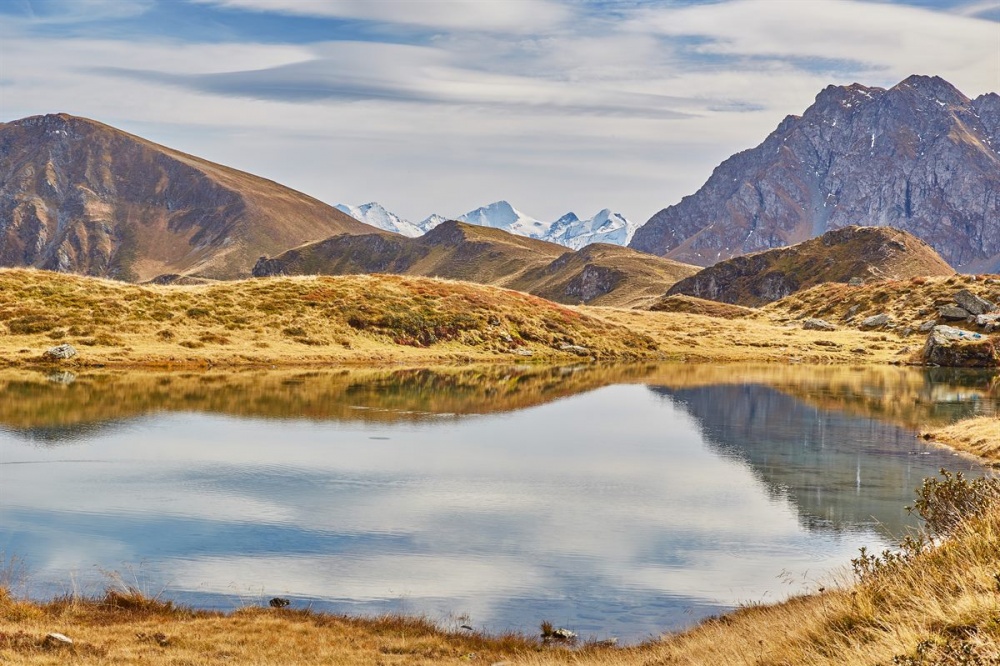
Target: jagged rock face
(920,156)
(79,196)
(838,256)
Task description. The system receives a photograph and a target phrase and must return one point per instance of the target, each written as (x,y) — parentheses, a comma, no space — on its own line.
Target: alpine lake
(615,501)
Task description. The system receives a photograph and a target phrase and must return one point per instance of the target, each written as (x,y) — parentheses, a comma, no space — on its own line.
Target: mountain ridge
(598,274)
(919,156)
(82,196)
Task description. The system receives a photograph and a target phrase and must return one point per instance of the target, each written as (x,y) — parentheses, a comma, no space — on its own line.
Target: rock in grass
(575,349)
(972,303)
(56,641)
(953,313)
(279,602)
(927,326)
(817,325)
(954,348)
(62,352)
(876,321)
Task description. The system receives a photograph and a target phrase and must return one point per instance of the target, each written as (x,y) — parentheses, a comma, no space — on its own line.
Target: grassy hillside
(598,274)
(295,321)
(79,195)
(380,319)
(861,253)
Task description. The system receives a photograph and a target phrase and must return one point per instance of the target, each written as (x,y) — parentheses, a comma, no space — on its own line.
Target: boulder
(988,320)
(876,321)
(575,349)
(54,641)
(62,352)
(927,326)
(953,313)
(975,305)
(817,325)
(954,348)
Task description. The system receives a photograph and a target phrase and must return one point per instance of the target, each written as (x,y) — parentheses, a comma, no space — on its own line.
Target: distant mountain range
(920,156)
(597,274)
(569,230)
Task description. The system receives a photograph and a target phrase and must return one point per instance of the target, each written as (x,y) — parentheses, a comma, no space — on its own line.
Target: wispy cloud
(508,16)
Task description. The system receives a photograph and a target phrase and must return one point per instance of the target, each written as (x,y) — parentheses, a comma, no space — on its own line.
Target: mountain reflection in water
(513,494)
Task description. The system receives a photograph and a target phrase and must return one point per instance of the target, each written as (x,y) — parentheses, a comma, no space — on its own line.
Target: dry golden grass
(303,321)
(377,319)
(978,436)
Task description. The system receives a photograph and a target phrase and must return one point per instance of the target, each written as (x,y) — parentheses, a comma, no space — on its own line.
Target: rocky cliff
(920,156)
(853,253)
(79,196)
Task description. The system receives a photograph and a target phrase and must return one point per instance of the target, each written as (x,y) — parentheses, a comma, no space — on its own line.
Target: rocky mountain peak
(920,156)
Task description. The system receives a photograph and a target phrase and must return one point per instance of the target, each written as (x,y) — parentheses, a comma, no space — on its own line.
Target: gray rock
(575,349)
(524,352)
(953,313)
(927,326)
(818,325)
(62,352)
(856,281)
(876,321)
(55,641)
(279,602)
(564,634)
(972,303)
(952,347)
(987,320)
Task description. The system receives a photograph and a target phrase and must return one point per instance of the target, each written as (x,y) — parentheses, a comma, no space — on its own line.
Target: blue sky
(445,105)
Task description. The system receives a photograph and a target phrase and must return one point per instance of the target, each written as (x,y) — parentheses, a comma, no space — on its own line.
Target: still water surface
(617,502)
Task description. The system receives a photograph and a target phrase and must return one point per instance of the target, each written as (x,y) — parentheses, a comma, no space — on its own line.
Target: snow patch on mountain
(501,215)
(568,230)
(377,216)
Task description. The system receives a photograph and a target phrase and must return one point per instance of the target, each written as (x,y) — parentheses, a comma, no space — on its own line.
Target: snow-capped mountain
(568,230)
(501,215)
(377,216)
(605,227)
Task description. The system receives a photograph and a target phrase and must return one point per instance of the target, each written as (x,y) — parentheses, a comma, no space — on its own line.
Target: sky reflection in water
(624,511)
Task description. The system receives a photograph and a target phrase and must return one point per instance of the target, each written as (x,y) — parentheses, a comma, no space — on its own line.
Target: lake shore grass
(379,320)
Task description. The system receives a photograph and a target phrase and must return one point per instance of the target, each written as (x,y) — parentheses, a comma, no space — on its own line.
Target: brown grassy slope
(700,306)
(598,274)
(603,274)
(294,321)
(836,256)
(909,302)
(978,436)
(86,197)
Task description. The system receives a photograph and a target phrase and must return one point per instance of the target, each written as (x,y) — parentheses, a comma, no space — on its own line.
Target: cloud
(49,12)
(507,16)
(981,8)
(893,40)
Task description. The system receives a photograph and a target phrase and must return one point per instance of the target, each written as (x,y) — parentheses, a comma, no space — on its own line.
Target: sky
(441,106)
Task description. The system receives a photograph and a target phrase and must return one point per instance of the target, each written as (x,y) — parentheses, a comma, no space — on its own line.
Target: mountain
(501,215)
(598,274)
(79,196)
(920,156)
(374,214)
(836,256)
(605,227)
(569,230)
